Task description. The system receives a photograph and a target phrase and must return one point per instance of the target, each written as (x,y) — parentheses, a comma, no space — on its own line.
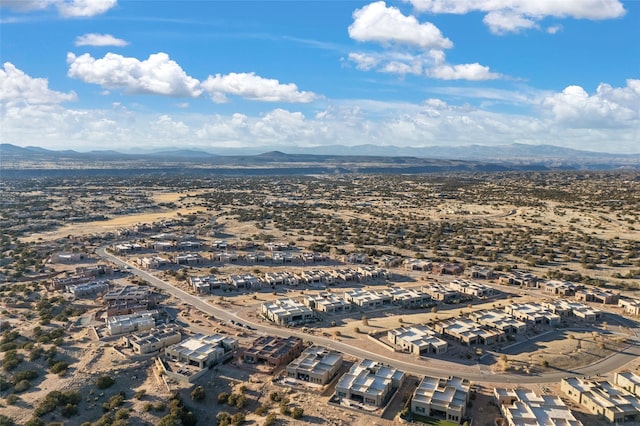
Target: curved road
(476,373)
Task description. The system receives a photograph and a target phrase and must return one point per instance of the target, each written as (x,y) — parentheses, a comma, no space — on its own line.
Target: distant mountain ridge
(503,157)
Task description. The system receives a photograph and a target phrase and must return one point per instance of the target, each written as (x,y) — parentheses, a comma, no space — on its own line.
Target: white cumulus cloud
(474,72)
(19,88)
(515,15)
(379,23)
(157,75)
(84,8)
(253,87)
(607,107)
(408,46)
(66,8)
(94,39)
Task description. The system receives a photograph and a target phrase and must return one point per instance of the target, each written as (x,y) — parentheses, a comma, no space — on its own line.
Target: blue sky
(120,74)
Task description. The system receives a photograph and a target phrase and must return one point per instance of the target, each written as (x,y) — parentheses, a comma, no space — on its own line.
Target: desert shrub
(22,386)
(223,418)
(24,375)
(223,397)
(69,410)
(297,413)
(122,413)
(237,418)
(262,410)
(147,407)
(104,382)
(240,401)
(11,360)
(105,420)
(59,367)
(8,346)
(34,421)
(275,397)
(140,394)
(13,399)
(198,394)
(6,421)
(57,398)
(285,410)
(270,420)
(114,402)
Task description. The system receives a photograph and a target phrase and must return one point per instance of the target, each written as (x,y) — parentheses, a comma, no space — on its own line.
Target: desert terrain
(575,226)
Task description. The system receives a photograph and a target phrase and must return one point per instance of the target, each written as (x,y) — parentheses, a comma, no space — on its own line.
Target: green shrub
(22,386)
(114,402)
(270,420)
(122,413)
(198,394)
(6,421)
(59,367)
(262,410)
(24,375)
(104,382)
(297,413)
(69,410)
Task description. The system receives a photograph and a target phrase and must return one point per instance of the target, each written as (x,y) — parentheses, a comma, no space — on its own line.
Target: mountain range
(338,158)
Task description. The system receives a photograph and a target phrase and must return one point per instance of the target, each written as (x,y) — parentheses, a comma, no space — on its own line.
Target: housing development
(387,300)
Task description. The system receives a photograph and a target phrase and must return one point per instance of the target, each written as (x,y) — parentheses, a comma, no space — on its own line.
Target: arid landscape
(62,365)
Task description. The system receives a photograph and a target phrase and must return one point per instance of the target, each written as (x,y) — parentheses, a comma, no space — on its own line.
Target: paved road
(476,373)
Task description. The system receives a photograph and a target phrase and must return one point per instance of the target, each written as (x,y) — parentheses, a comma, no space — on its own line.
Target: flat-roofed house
(559,288)
(417,264)
(631,306)
(244,281)
(124,248)
(447,268)
(316,365)
(441,293)
(417,339)
(533,313)
(127,299)
(201,350)
(152,262)
(286,311)
(273,351)
(204,285)
(596,295)
(602,398)
(153,340)
(88,289)
(327,303)
(479,272)
(367,299)
(369,382)
(629,381)
(519,278)
(521,407)
(467,332)
(471,288)
(188,259)
(500,321)
(576,309)
(139,321)
(441,398)
(408,297)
